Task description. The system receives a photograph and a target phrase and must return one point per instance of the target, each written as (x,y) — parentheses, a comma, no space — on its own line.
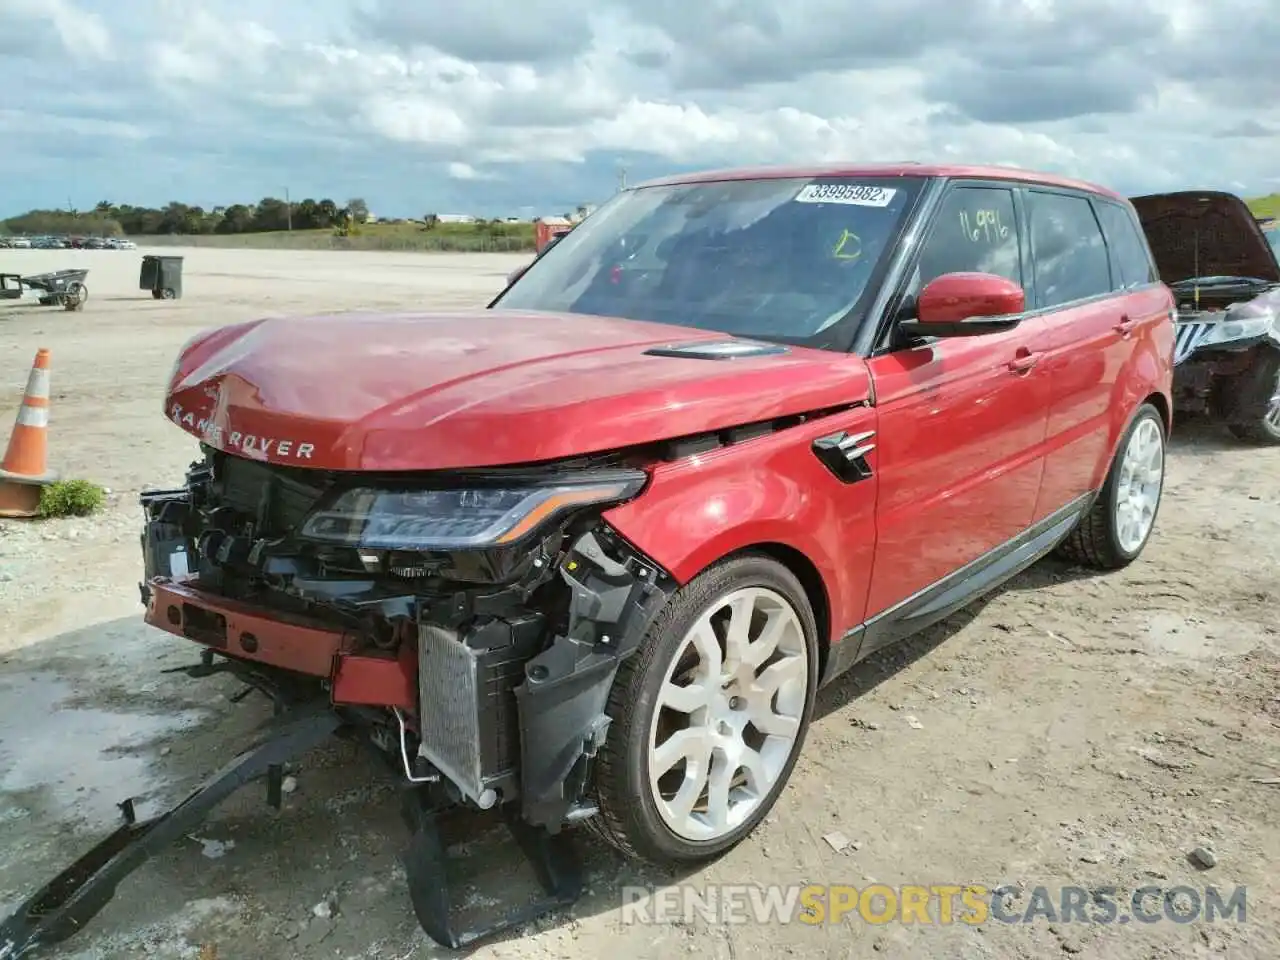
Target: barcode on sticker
(859,195)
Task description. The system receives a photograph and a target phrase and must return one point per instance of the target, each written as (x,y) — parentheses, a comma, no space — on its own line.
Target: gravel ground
(1070,730)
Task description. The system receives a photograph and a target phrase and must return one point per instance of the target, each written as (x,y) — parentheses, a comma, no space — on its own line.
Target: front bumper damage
(486,696)
(1221,377)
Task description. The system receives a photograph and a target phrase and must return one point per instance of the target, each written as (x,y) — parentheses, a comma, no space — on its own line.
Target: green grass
(445,237)
(71,498)
(1268,206)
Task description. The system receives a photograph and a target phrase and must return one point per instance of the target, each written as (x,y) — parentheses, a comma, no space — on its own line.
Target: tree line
(109,219)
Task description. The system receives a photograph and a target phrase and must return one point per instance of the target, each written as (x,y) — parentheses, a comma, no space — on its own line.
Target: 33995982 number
(855,194)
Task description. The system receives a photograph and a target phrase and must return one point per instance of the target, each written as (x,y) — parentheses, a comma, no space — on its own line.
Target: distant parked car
(20,243)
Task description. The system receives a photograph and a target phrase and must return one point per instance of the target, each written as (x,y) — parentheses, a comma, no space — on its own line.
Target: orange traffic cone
(24,469)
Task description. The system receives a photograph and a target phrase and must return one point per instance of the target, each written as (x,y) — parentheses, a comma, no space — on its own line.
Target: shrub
(71,498)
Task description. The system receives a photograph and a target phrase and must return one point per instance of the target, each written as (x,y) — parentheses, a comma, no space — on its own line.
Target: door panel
(961,448)
(1085,357)
(1093,327)
(1093,347)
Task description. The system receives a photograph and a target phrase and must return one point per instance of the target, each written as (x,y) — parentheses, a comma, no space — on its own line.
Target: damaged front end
(468,626)
(497,598)
(1227,351)
(1211,252)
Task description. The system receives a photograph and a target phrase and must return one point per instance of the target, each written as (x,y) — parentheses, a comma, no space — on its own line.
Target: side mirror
(967,305)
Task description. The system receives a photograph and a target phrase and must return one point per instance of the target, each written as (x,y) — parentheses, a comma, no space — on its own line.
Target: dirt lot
(1072,730)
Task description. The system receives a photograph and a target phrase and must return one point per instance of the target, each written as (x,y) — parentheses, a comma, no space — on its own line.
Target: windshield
(782,260)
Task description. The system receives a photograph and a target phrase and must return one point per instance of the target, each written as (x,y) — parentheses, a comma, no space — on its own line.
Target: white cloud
(552,96)
(465,171)
(82,34)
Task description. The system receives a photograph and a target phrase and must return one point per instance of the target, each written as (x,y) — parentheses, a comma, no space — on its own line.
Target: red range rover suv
(587,554)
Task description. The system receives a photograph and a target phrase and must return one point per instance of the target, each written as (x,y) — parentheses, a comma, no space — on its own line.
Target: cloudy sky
(510,107)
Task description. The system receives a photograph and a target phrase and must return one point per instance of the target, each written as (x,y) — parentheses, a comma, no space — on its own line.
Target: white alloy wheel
(1139,486)
(728,714)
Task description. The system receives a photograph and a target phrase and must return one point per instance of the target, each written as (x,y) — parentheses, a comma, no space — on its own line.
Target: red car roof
(883,170)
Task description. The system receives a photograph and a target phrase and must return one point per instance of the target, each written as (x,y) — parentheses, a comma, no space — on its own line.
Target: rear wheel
(1118,526)
(76,295)
(709,715)
(1266,428)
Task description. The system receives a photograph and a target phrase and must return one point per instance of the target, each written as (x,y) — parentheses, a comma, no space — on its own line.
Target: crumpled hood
(1205,233)
(480,388)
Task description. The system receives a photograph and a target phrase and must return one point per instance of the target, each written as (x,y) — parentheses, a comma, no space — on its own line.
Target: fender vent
(719,350)
(845,454)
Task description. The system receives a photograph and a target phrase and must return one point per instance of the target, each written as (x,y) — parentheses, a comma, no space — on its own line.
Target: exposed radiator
(468,715)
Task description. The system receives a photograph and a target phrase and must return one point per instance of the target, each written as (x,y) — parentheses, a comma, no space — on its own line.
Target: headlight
(1240,323)
(420,519)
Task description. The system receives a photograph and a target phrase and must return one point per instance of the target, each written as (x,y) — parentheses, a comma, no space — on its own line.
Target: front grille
(277,499)
(1187,337)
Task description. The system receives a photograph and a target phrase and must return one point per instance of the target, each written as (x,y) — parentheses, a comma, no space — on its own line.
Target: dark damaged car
(1222,268)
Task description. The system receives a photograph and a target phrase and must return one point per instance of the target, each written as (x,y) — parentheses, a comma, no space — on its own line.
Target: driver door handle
(1124,326)
(1023,360)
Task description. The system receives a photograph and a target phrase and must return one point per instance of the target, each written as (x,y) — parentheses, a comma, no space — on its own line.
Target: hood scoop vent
(718,350)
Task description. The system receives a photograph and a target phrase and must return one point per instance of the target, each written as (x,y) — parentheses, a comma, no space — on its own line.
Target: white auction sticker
(856,194)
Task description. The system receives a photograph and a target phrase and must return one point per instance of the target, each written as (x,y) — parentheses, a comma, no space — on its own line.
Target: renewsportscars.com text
(940,904)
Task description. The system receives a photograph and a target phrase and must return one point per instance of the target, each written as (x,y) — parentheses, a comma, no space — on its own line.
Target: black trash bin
(162,276)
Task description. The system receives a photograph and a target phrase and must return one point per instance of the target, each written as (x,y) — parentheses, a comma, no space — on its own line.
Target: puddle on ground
(82,761)
(1176,636)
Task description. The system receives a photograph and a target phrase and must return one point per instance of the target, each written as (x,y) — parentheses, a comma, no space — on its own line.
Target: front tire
(1118,526)
(709,715)
(1266,428)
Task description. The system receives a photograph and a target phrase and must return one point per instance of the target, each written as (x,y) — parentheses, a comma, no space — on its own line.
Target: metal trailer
(61,288)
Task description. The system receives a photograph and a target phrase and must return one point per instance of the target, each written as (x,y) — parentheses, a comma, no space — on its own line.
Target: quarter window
(1129,252)
(1067,248)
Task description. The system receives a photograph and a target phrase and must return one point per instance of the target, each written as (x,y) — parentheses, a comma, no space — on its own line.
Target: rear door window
(1130,256)
(1068,251)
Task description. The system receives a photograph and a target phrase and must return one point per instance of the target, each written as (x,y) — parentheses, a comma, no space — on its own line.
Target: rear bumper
(246,633)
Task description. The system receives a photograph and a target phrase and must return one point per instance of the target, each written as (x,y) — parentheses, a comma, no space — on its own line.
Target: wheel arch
(1163,407)
(772,541)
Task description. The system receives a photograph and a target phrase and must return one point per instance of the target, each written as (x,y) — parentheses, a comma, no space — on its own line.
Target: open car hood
(483,388)
(1205,233)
